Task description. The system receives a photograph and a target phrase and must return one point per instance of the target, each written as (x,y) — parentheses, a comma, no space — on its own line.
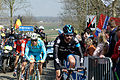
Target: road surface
(48,73)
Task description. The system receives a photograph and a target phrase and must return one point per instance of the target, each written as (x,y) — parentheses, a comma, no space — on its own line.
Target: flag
(103,22)
(18,23)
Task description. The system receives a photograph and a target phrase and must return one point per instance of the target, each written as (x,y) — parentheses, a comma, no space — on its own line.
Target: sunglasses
(68,35)
(33,40)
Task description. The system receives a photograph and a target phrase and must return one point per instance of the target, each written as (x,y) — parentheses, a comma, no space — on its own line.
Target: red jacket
(23,45)
(116,54)
(17,45)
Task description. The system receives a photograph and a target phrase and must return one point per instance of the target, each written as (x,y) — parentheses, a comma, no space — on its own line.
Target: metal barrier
(98,68)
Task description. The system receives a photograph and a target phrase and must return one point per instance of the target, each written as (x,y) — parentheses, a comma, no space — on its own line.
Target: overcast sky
(45,7)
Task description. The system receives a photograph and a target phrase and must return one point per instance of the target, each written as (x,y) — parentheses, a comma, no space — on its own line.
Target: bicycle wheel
(18,71)
(34,74)
(26,75)
(38,75)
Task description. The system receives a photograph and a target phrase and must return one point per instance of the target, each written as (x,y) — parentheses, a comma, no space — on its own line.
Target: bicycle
(36,74)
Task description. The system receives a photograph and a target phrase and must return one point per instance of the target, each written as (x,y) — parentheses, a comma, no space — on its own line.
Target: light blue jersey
(39,50)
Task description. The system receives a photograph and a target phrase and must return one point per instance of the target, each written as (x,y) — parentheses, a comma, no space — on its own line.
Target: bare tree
(13,6)
(75,11)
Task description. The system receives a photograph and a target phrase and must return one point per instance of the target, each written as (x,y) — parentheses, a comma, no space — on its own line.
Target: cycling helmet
(3,35)
(41,27)
(19,36)
(34,36)
(12,29)
(68,29)
(28,34)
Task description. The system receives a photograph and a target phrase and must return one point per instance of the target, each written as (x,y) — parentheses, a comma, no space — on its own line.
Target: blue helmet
(68,29)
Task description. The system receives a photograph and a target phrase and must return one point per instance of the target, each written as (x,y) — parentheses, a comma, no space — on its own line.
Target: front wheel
(36,75)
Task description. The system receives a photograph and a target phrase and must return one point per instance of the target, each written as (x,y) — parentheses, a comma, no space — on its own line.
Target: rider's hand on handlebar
(22,54)
(42,61)
(32,61)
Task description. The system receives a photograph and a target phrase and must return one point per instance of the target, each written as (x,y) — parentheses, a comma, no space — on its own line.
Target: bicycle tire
(18,71)
(38,75)
(26,75)
(33,77)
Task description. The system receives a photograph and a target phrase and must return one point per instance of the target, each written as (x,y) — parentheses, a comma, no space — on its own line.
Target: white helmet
(28,34)
(41,27)
(34,36)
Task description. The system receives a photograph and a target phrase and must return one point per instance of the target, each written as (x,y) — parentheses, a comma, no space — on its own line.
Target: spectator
(90,48)
(116,56)
(102,43)
(112,38)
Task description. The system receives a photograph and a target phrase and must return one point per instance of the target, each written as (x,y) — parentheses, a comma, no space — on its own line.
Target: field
(52,31)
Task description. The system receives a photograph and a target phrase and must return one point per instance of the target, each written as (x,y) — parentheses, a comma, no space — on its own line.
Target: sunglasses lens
(69,35)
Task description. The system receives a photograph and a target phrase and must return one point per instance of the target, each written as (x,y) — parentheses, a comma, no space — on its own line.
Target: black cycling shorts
(77,60)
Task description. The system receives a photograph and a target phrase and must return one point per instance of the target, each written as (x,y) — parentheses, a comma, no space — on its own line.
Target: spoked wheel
(36,75)
(26,75)
(18,72)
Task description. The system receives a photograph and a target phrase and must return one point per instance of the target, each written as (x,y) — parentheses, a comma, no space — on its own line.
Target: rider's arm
(43,49)
(56,45)
(14,47)
(78,48)
(23,48)
(27,51)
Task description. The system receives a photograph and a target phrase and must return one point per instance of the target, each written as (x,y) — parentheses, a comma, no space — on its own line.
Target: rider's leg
(40,68)
(58,75)
(16,61)
(71,60)
(23,67)
(31,68)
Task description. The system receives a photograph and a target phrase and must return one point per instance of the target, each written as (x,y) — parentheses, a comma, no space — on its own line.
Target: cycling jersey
(17,45)
(38,50)
(63,49)
(23,45)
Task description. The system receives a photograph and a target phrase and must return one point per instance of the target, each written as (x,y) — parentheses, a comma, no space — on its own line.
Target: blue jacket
(35,50)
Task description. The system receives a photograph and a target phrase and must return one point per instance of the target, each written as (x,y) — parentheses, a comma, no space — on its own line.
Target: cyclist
(65,48)
(23,45)
(35,48)
(41,33)
(17,50)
